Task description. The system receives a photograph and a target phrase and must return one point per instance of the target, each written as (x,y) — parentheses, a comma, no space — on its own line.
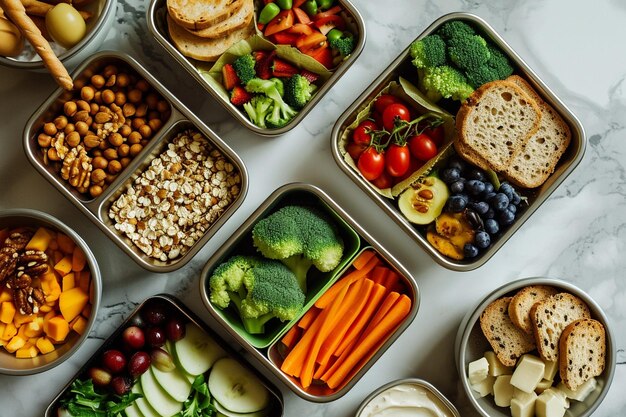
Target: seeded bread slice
(522,302)
(583,352)
(496,121)
(532,164)
(550,316)
(507,341)
(237,21)
(201,14)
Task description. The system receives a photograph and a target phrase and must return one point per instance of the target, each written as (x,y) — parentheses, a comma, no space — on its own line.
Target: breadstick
(16,12)
(39,8)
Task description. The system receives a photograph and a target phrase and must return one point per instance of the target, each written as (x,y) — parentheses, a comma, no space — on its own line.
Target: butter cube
(523,403)
(550,370)
(528,373)
(478,370)
(495,366)
(582,392)
(550,404)
(543,385)
(484,387)
(503,391)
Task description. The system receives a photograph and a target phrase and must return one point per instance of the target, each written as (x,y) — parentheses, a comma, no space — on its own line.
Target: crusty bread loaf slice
(522,302)
(507,340)
(237,21)
(201,14)
(496,121)
(471,156)
(204,49)
(582,352)
(550,316)
(531,165)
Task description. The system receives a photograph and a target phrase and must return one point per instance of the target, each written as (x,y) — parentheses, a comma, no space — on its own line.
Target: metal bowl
(11,365)
(470,345)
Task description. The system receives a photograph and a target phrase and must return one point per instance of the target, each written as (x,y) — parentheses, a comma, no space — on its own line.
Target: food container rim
(96,279)
(468,323)
(91,207)
(575,124)
(210,264)
(238,114)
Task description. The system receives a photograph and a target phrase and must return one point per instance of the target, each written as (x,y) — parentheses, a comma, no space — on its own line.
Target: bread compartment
(447,174)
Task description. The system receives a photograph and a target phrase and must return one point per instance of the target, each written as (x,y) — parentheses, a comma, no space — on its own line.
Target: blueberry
(512,208)
(480,207)
(500,201)
(457,203)
(450,175)
(506,217)
(457,163)
(507,189)
(490,214)
(476,174)
(457,187)
(489,188)
(475,186)
(482,239)
(488,197)
(491,226)
(516,199)
(470,250)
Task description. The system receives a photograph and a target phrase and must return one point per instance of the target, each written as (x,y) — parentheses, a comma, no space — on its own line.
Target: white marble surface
(578,235)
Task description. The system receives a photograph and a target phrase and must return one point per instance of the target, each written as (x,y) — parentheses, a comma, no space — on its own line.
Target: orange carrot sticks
(347,279)
(363,258)
(382,311)
(308,317)
(379,274)
(290,338)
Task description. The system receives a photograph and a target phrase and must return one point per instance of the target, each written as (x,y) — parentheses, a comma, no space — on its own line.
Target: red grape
(138,363)
(155,337)
(154,314)
(162,360)
(121,385)
(99,376)
(174,329)
(114,361)
(133,337)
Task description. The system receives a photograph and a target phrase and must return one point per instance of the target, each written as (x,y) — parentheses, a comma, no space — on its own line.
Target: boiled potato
(65,25)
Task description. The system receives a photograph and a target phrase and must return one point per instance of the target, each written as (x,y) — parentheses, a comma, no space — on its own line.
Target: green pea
(269,12)
(334,34)
(324,4)
(284,4)
(310,7)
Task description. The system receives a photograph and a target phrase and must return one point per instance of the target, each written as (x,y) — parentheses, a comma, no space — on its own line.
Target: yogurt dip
(406,400)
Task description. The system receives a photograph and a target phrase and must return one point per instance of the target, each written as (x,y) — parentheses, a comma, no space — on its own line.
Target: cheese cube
(503,391)
(550,404)
(478,370)
(543,385)
(550,369)
(528,373)
(523,403)
(582,392)
(495,366)
(484,387)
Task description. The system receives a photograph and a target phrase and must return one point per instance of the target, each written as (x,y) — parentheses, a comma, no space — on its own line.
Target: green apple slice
(132,411)
(175,383)
(236,388)
(197,351)
(144,408)
(157,397)
(222,411)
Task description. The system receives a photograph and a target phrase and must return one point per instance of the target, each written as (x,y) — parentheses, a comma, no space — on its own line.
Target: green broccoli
(444,81)
(258,108)
(298,91)
(429,51)
(281,113)
(468,52)
(299,236)
(342,42)
(496,68)
(244,67)
(260,289)
(455,29)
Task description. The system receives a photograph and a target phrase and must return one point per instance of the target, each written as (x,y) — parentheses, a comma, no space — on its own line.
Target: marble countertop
(578,234)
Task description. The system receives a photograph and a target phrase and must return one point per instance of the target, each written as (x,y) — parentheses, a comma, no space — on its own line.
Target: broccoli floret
(258,108)
(468,52)
(496,68)
(344,44)
(298,91)
(260,289)
(299,236)
(281,113)
(244,67)
(428,52)
(444,81)
(455,29)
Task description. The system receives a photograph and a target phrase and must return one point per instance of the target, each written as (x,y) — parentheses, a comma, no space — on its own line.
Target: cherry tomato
(383,181)
(393,111)
(385,100)
(414,165)
(355,149)
(397,158)
(378,118)
(422,147)
(371,163)
(436,134)
(362,132)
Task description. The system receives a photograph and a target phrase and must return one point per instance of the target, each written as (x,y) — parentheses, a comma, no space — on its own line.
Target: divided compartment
(402,67)
(267,350)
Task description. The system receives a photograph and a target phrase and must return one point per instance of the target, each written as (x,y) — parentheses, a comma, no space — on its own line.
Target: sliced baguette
(550,316)
(522,302)
(532,164)
(237,21)
(201,14)
(496,121)
(507,340)
(583,352)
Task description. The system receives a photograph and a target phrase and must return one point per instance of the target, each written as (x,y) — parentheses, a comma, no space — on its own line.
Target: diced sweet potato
(9,331)
(26,352)
(72,302)
(20,319)
(66,244)
(57,328)
(84,281)
(51,289)
(5,295)
(69,281)
(15,343)
(7,311)
(40,240)
(33,329)
(78,259)
(86,311)
(64,266)
(44,345)
(79,324)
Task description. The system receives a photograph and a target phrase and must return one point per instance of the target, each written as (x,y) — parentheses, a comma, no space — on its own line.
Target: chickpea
(128,109)
(44,140)
(73,139)
(122,80)
(123,150)
(114,167)
(60,122)
(80,83)
(53,155)
(108,96)
(143,85)
(134,95)
(98,175)
(110,154)
(120,98)
(82,128)
(97,152)
(152,100)
(124,130)
(71,127)
(82,105)
(50,129)
(111,81)
(142,110)
(104,145)
(115,139)
(97,81)
(125,162)
(95,108)
(87,93)
(110,178)
(99,162)
(109,70)
(153,114)
(98,97)
(138,122)
(155,124)
(145,131)
(70,108)
(135,149)
(163,106)
(95,190)
(134,137)
(144,142)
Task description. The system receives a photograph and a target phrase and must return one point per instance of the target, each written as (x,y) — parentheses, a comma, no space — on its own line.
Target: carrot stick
(308,317)
(380,332)
(393,281)
(363,258)
(347,279)
(379,274)
(290,338)
(387,304)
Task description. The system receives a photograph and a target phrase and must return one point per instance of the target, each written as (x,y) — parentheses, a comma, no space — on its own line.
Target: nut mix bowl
(50,295)
(471,345)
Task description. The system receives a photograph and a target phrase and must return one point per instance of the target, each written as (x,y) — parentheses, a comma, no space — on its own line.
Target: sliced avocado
(424,200)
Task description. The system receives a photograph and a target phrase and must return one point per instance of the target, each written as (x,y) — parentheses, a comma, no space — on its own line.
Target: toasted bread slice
(201,14)
(522,302)
(582,352)
(550,316)
(471,156)
(204,49)
(237,21)
(507,340)
(531,165)
(496,121)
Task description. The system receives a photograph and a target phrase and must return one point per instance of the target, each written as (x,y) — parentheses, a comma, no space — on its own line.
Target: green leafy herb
(199,402)
(82,400)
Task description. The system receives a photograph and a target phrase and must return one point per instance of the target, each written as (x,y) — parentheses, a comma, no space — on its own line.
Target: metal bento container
(432,394)
(470,344)
(180,119)
(401,66)
(156,19)
(11,365)
(269,353)
(276,401)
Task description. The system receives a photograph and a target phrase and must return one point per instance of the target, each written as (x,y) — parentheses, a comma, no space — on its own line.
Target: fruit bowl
(61,323)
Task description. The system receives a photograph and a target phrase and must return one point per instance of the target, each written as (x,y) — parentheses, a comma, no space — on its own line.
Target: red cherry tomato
(383,181)
(384,101)
(362,132)
(371,163)
(397,159)
(436,134)
(393,111)
(414,165)
(355,149)
(422,147)
(378,118)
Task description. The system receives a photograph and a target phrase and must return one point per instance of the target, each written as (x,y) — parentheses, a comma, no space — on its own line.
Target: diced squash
(53,245)
(79,324)
(7,311)
(86,311)
(9,331)
(46,319)
(40,240)
(26,352)
(49,275)
(57,328)
(64,266)
(51,289)
(44,345)
(78,259)
(69,282)
(33,329)
(16,342)
(66,244)
(84,281)
(44,308)
(21,332)
(5,295)
(72,302)
(20,319)
(57,256)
